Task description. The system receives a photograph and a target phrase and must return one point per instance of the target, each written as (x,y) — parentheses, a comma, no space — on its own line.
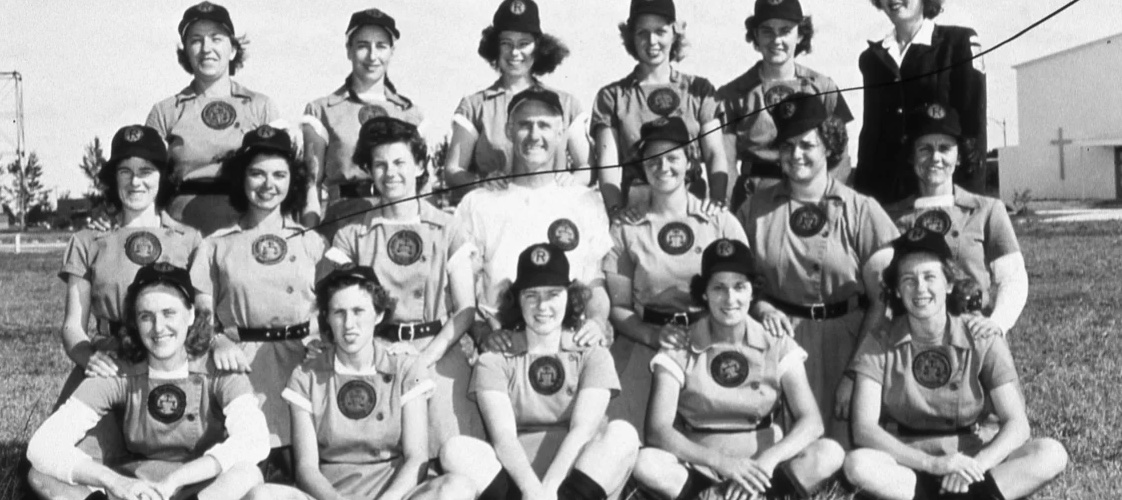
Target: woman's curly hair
(234,171)
(678,49)
(806,33)
(699,283)
(834,138)
(131,347)
(107,180)
(965,297)
(931,8)
(380,131)
(236,63)
(549,51)
(381,299)
(510,308)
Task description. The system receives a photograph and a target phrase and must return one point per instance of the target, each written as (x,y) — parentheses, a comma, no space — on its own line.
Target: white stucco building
(1069,109)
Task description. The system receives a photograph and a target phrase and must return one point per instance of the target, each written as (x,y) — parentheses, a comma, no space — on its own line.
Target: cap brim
(536,281)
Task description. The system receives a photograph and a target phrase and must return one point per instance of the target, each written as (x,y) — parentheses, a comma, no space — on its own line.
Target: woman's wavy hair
(834,137)
(678,49)
(931,8)
(510,308)
(699,283)
(806,33)
(131,347)
(233,173)
(381,299)
(549,51)
(236,63)
(107,180)
(378,132)
(965,297)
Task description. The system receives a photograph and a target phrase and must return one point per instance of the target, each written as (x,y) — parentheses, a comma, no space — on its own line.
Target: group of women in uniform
(805,335)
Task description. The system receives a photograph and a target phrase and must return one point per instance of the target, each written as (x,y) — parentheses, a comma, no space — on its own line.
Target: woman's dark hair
(382,132)
(699,283)
(510,308)
(834,138)
(677,49)
(381,299)
(931,8)
(107,180)
(549,51)
(234,170)
(806,33)
(692,174)
(965,297)
(131,347)
(236,63)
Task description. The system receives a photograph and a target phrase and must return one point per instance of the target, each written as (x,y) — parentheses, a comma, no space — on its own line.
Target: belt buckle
(412,331)
(681,319)
(818,311)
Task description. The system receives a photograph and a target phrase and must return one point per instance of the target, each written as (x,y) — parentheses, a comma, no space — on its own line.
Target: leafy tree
(21,188)
(92,162)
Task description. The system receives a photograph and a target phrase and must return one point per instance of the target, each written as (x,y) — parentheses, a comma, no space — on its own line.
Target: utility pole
(14,145)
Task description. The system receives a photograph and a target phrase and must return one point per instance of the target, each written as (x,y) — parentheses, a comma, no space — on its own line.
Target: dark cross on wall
(1061,142)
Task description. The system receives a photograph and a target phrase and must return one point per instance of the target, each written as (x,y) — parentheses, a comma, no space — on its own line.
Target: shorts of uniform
(361,480)
(576,486)
(343,211)
(104,442)
(451,413)
(205,212)
(829,344)
(699,480)
(271,365)
(633,364)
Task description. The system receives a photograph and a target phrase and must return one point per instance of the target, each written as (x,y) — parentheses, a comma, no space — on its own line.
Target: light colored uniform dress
(625,105)
(411,259)
(660,257)
(543,389)
(109,260)
(821,268)
(263,279)
(200,132)
(337,118)
(939,389)
(357,414)
(730,391)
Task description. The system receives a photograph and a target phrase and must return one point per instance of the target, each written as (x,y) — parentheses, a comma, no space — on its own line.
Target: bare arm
(579,149)
(808,420)
(461,284)
(1010,409)
(305,449)
(315,151)
(75,341)
(624,318)
(716,162)
(661,433)
(415,445)
(867,431)
(608,171)
(588,412)
(499,417)
(459,157)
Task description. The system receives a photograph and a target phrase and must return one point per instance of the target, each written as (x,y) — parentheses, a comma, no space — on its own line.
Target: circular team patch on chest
(936,221)
(663,101)
(404,247)
(143,248)
(166,403)
(219,115)
(356,399)
(932,369)
(269,249)
(729,369)
(564,234)
(370,111)
(777,94)
(547,375)
(675,238)
(808,220)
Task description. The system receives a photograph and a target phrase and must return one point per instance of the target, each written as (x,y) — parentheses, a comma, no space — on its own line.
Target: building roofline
(1065,51)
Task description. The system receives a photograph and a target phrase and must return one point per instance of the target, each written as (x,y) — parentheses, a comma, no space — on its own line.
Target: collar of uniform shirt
(944,200)
(901,333)
(701,340)
(176,374)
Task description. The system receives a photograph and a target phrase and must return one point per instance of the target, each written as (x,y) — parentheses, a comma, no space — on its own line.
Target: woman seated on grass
(190,428)
(544,400)
(935,384)
(709,422)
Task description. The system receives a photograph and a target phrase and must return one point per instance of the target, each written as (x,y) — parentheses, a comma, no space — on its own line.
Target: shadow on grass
(13,470)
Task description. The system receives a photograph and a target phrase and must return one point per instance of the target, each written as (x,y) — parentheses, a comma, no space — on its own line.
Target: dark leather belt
(399,332)
(680,318)
(356,190)
(201,188)
(764,424)
(905,431)
(821,312)
(276,334)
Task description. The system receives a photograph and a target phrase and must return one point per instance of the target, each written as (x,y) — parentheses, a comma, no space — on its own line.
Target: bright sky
(93,66)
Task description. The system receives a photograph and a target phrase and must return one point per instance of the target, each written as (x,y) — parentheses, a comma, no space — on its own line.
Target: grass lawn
(1066,345)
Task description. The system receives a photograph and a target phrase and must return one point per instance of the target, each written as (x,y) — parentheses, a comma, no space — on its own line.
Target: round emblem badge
(517,7)
(936,221)
(356,399)
(133,134)
(269,249)
(808,220)
(778,93)
(916,233)
(729,368)
(547,375)
(936,112)
(725,248)
(404,247)
(143,248)
(219,115)
(266,132)
(539,256)
(564,234)
(166,403)
(205,7)
(663,101)
(675,238)
(370,111)
(787,110)
(932,369)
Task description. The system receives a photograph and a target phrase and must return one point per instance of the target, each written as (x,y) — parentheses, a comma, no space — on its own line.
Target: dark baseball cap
(670,129)
(541,264)
(726,255)
(206,11)
(165,273)
(373,17)
(934,118)
(664,8)
(797,114)
(267,138)
(138,141)
(545,96)
(346,271)
(790,10)
(518,15)
(920,239)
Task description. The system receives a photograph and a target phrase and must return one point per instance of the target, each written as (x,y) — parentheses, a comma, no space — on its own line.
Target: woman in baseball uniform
(409,244)
(655,38)
(545,400)
(205,122)
(820,248)
(925,386)
(514,45)
(258,275)
(710,421)
(98,266)
(190,429)
(331,123)
(654,255)
(359,408)
(976,227)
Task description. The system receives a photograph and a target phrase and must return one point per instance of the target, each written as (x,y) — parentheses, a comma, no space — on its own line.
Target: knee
(1051,455)
(270,492)
(459,452)
(861,466)
(620,435)
(454,487)
(650,465)
(826,455)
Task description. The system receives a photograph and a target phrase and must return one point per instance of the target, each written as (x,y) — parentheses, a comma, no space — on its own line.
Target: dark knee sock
(696,483)
(97,495)
(579,486)
(928,486)
(502,487)
(985,490)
